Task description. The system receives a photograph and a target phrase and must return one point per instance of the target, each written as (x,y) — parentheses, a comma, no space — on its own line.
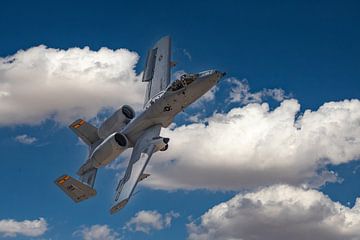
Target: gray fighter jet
(123,130)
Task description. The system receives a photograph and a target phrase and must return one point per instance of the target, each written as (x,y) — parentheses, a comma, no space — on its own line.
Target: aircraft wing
(157,68)
(142,152)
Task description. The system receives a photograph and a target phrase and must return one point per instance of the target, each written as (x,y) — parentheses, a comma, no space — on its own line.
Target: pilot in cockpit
(184,80)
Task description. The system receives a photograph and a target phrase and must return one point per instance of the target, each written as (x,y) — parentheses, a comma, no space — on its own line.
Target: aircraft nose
(220,74)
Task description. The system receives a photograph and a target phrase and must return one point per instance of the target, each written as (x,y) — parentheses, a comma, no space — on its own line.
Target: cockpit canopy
(184,80)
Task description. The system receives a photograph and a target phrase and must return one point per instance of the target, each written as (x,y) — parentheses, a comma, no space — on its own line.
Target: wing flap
(150,65)
(157,68)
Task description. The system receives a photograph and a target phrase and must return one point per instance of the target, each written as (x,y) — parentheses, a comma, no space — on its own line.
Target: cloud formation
(45,83)
(25,139)
(29,228)
(279,212)
(240,93)
(187,54)
(254,146)
(145,221)
(97,232)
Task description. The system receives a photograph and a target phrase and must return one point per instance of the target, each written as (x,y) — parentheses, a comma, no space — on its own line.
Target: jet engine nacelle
(117,121)
(109,149)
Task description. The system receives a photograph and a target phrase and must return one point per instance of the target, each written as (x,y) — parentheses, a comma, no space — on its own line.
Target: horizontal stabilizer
(75,189)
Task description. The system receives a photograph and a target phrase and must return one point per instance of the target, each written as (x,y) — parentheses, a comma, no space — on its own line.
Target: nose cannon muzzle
(220,74)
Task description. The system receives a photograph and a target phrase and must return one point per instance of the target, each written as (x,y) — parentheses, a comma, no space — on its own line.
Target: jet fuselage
(159,110)
(163,107)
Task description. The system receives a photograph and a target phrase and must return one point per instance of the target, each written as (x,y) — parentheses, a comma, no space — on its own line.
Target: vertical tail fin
(75,189)
(87,132)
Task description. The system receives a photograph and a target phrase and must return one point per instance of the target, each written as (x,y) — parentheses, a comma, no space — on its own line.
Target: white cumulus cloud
(279,212)
(145,221)
(240,93)
(25,139)
(97,232)
(29,228)
(45,83)
(254,146)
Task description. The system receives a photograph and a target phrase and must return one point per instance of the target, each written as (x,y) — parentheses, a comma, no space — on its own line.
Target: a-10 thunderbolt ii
(123,130)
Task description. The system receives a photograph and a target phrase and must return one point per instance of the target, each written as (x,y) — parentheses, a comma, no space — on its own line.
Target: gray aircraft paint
(163,101)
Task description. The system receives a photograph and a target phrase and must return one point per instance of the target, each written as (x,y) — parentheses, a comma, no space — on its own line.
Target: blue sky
(306,54)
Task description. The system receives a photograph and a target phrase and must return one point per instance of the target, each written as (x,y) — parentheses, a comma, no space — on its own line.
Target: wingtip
(117,207)
(164,40)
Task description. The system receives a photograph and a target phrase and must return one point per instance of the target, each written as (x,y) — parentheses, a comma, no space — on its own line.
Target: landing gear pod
(117,121)
(161,143)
